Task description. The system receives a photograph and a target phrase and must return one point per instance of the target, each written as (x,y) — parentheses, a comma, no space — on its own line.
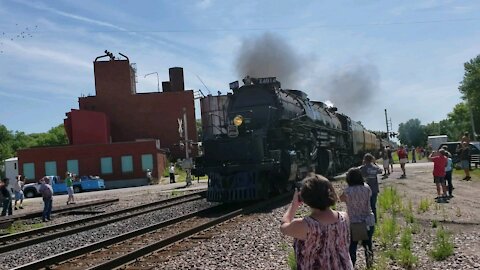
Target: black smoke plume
(269,56)
(353,89)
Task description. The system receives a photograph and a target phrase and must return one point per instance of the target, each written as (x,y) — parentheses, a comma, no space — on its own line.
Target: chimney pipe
(176,79)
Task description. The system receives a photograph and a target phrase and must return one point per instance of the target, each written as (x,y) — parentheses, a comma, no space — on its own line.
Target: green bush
(443,246)
(406,258)
(387,231)
(389,200)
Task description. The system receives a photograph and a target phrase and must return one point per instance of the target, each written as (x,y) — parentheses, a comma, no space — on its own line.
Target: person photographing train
(321,240)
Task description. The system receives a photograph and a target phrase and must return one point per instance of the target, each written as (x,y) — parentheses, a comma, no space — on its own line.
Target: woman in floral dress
(322,238)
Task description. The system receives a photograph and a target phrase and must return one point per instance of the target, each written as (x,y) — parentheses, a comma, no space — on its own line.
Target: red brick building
(126,162)
(118,134)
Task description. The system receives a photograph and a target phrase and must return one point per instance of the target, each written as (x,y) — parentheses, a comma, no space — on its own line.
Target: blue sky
(363,56)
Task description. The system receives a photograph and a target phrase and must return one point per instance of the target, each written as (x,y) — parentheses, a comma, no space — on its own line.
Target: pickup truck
(86,183)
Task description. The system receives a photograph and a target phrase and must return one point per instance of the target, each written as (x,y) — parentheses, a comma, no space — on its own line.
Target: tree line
(11,141)
(458,121)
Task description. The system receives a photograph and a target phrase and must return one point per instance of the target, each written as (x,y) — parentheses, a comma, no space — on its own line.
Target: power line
(279,28)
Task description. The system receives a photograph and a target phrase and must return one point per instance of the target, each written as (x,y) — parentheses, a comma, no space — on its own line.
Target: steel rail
(64,256)
(36,240)
(59,209)
(132,256)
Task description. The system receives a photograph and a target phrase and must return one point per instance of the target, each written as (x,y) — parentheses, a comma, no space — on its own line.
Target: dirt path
(460,216)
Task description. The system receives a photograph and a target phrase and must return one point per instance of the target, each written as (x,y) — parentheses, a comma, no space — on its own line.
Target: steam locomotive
(261,138)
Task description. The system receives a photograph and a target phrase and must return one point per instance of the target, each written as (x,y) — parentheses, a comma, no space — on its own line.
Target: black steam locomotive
(262,138)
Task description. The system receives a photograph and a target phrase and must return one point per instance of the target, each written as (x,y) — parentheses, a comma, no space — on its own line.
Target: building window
(29,170)
(147,162)
(15,165)
(72,166)
(106,165)
(50,168)
(127,164)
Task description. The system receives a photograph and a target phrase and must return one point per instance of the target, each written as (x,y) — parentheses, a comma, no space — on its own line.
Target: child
(47,194)
(448,173)
(439,164)
(7,197)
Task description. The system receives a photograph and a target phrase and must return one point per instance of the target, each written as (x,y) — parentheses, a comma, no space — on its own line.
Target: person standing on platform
(7,197)
(149,177)
(386,162)
(403,158)
(463,151)
(390,158)
(172,173)
(18,189)
(69,183)
(47,195)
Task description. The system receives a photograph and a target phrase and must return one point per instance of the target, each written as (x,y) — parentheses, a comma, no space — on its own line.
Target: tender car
(452,148)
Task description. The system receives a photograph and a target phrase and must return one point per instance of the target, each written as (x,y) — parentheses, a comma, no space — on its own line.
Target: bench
(475,159)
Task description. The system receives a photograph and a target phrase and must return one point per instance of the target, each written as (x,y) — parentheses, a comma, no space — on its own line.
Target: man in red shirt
(402,157)
(439,163)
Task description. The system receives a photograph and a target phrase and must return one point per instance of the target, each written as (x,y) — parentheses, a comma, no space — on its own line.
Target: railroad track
(124,250)
(40,235)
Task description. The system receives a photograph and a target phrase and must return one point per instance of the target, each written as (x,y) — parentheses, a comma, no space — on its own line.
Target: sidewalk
(123,194)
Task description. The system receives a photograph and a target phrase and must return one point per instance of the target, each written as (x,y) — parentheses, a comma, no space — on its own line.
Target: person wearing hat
(69,183)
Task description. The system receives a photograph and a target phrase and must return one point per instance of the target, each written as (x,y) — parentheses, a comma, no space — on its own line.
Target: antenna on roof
(203,84)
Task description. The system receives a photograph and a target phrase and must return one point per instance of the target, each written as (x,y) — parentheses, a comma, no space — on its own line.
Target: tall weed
(443,246)
(292,260)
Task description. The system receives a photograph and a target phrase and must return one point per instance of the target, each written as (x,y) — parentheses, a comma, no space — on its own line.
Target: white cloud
(27,53)
(42,6)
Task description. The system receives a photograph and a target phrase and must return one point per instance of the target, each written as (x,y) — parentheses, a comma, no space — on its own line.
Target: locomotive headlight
(238,120)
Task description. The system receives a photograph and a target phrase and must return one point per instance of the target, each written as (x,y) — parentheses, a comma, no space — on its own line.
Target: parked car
(452,148)
(86,183)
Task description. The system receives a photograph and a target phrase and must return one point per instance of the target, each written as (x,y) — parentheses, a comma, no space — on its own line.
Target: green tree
(470,89)
(459,121)
(412,133)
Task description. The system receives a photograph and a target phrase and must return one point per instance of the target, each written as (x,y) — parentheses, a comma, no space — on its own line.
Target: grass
(434,223)
(390,200)
(387,231)
(443,246)
(408,213)
(19,226)
(459,174)
(424,205)
(404,255)
(291,260)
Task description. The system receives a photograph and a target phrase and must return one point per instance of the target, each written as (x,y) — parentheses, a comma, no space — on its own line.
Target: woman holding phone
(322,238)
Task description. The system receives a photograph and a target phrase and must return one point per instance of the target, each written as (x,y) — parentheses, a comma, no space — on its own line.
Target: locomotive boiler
(261,138)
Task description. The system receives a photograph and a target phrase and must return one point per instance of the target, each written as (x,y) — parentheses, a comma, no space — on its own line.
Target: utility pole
(386,122)
(187,163)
